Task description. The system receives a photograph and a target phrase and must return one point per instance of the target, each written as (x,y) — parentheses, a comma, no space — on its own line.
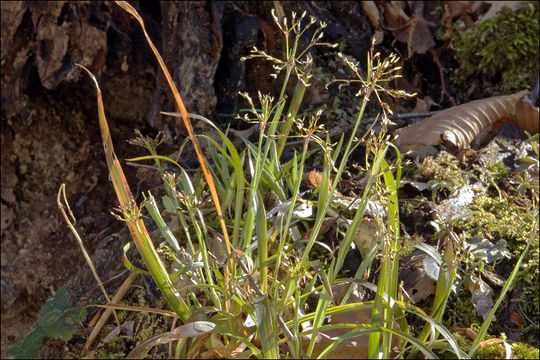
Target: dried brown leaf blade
(131,214)
(187,122)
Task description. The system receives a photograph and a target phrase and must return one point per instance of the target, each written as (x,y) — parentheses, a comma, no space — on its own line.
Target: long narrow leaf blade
(187,122)
(135,223)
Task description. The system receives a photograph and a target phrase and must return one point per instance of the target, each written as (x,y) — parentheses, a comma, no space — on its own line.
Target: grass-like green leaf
(267,327)
(131,213)
(153,210)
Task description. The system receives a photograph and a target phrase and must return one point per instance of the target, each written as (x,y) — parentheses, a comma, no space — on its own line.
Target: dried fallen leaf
(372,12)
(366,236)
(456,127)
(423,105)
(412,30)
(417,273)
(193,329)
(470,333)
(464,10)
(481,296)
(419,38)
(314,179)
(459,200)
(353,348)
(487,251)
(419,186)
(457,9)
(517,319)
(396,21)
(507,347)
(494,279)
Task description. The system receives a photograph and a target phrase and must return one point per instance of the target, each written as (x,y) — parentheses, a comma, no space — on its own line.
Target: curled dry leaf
(372,12)
(412,30)
(481,296)
(526,117)
(458,126)
(418,274)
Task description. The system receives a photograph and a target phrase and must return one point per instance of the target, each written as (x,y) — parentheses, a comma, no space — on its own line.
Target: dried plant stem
(107,313)
(71,223)
(187,122)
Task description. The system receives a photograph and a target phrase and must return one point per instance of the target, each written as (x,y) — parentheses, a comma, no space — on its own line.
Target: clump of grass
(252,286)
(268,258)
(241,268)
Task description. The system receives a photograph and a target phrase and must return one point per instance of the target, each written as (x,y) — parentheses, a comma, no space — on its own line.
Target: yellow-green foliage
(494,351)
(512,223)
(111,350)
(524,351)
(498,172)
(461,313)
(443,173)
(503,49)
(505,221)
